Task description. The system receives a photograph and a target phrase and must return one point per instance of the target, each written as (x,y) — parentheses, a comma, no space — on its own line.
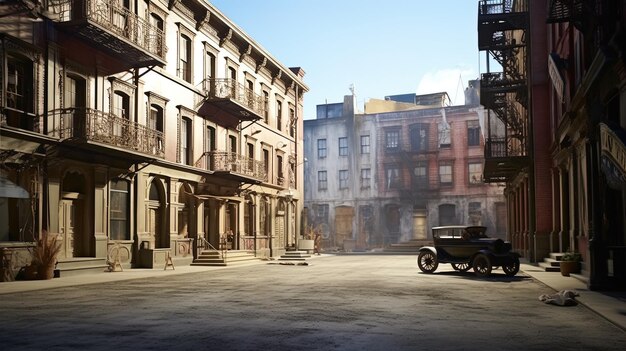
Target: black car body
(468,247)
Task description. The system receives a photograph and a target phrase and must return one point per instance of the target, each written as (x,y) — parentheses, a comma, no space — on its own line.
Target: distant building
(390,174)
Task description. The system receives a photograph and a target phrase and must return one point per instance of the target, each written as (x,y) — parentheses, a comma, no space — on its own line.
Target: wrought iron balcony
(505,157)
(566,11)
(229,102)
(89,125)
(231,163)
(113,27)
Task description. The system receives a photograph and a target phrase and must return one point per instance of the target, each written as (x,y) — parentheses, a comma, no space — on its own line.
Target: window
(210,139)
(266,106)
(279,168)
(444,135)
(292,122)
(365,144)
(392,140)
(185,141)
(184,56)
(155,122)
(321,213)
(343,146)
(266,161)
(474,213)
(322,180)
(250,101)
(121,108)
(209,70)
(447,214)
(366,175)
(420,176)
(475,171)
(321,148)
(445,174)
(343,179)
(279,115)
(19,84)
(473,133)
(419,137)
(232,141)
(119,208)
(392,175)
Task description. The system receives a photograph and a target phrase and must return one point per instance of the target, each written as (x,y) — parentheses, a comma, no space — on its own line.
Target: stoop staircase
(215,258)
(552,263)
(297,256)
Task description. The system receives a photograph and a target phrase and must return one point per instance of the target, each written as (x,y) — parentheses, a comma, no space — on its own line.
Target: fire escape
(502,30)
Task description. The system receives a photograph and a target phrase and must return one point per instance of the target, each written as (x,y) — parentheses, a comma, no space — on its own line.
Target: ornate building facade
(146,129)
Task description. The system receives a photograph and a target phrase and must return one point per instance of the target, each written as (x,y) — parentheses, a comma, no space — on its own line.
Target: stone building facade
(146,129)
(390,174)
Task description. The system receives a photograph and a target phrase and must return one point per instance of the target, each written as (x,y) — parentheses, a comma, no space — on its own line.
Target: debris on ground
(561,298)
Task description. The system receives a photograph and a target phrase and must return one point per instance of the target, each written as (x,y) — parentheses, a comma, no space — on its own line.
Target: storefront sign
(555,75)
(613,147)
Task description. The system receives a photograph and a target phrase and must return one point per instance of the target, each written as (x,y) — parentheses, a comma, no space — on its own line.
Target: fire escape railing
(106,128)
(227,88)
(115,18)
(224,161)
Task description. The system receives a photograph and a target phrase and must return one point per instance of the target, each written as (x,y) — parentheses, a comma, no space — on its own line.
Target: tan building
(142,129)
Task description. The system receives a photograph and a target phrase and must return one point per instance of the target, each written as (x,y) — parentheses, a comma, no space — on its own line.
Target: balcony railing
(97,126)
(223,161)
(230,89)
(114,19)
(501,147)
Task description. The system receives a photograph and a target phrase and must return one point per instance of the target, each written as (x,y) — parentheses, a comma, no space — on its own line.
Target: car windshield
(453,232)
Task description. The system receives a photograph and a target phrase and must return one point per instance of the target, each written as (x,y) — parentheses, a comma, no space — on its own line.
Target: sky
(379,47)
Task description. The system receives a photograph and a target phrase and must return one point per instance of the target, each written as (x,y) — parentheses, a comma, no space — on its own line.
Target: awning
(218,197)
(12,190)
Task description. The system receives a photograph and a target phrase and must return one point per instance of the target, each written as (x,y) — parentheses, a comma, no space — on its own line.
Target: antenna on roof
(456,93)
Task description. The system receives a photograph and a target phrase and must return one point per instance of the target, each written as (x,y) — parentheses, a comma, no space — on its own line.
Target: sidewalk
(610,305)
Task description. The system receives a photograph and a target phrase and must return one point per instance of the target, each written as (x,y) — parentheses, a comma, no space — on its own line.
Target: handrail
(206,245)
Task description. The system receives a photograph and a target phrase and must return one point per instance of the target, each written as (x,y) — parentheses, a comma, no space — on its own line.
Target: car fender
(487,252)
(428,248)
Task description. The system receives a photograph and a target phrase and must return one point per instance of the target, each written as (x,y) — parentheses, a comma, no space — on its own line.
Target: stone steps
(81,265)
(214,258)
(294,256)
(552,263)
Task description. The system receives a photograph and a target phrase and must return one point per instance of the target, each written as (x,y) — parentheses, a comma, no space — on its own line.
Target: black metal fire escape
(502,31)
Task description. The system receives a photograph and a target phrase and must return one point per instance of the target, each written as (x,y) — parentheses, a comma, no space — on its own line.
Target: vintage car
(465,247)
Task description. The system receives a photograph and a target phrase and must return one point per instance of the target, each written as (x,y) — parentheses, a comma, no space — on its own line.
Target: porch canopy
(12,190)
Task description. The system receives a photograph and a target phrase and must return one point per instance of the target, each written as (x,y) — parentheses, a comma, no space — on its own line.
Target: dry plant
(46,250)
(310,231)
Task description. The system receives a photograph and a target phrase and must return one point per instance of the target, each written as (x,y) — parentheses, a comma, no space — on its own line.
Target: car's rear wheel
(427,261)
(461,267)
(511,268)
(482,265)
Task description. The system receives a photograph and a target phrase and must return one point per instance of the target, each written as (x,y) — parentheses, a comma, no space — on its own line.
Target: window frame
(442,175)
(344,176)
(322,181)
(366,178)
(322,150)
(365,144)
(343,146)
(392,140)
(473,133)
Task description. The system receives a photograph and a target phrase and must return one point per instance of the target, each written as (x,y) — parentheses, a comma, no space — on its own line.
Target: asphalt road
(334,303)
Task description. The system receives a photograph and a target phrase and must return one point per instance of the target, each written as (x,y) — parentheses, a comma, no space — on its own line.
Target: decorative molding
(171,4)
(120,85)
(226,37)
(276,77)
(291,87)
(203,20)
(260,65)
(245,53)
(156,99)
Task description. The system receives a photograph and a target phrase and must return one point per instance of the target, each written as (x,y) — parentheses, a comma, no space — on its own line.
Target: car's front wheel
(511,268)
(461,267)
(482,265)
(427,261)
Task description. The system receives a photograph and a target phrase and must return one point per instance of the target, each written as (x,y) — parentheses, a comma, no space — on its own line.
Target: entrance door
(343,224)
(71,227)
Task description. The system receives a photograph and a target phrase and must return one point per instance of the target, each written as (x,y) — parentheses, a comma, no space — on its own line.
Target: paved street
(334,303)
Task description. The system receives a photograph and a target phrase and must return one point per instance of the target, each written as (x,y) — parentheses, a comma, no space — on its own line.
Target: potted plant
(45,255)
(570,263)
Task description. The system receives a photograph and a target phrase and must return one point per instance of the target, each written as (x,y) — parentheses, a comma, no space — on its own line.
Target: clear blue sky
(382,47)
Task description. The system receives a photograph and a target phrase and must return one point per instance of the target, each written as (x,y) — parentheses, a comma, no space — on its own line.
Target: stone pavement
(610,305)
